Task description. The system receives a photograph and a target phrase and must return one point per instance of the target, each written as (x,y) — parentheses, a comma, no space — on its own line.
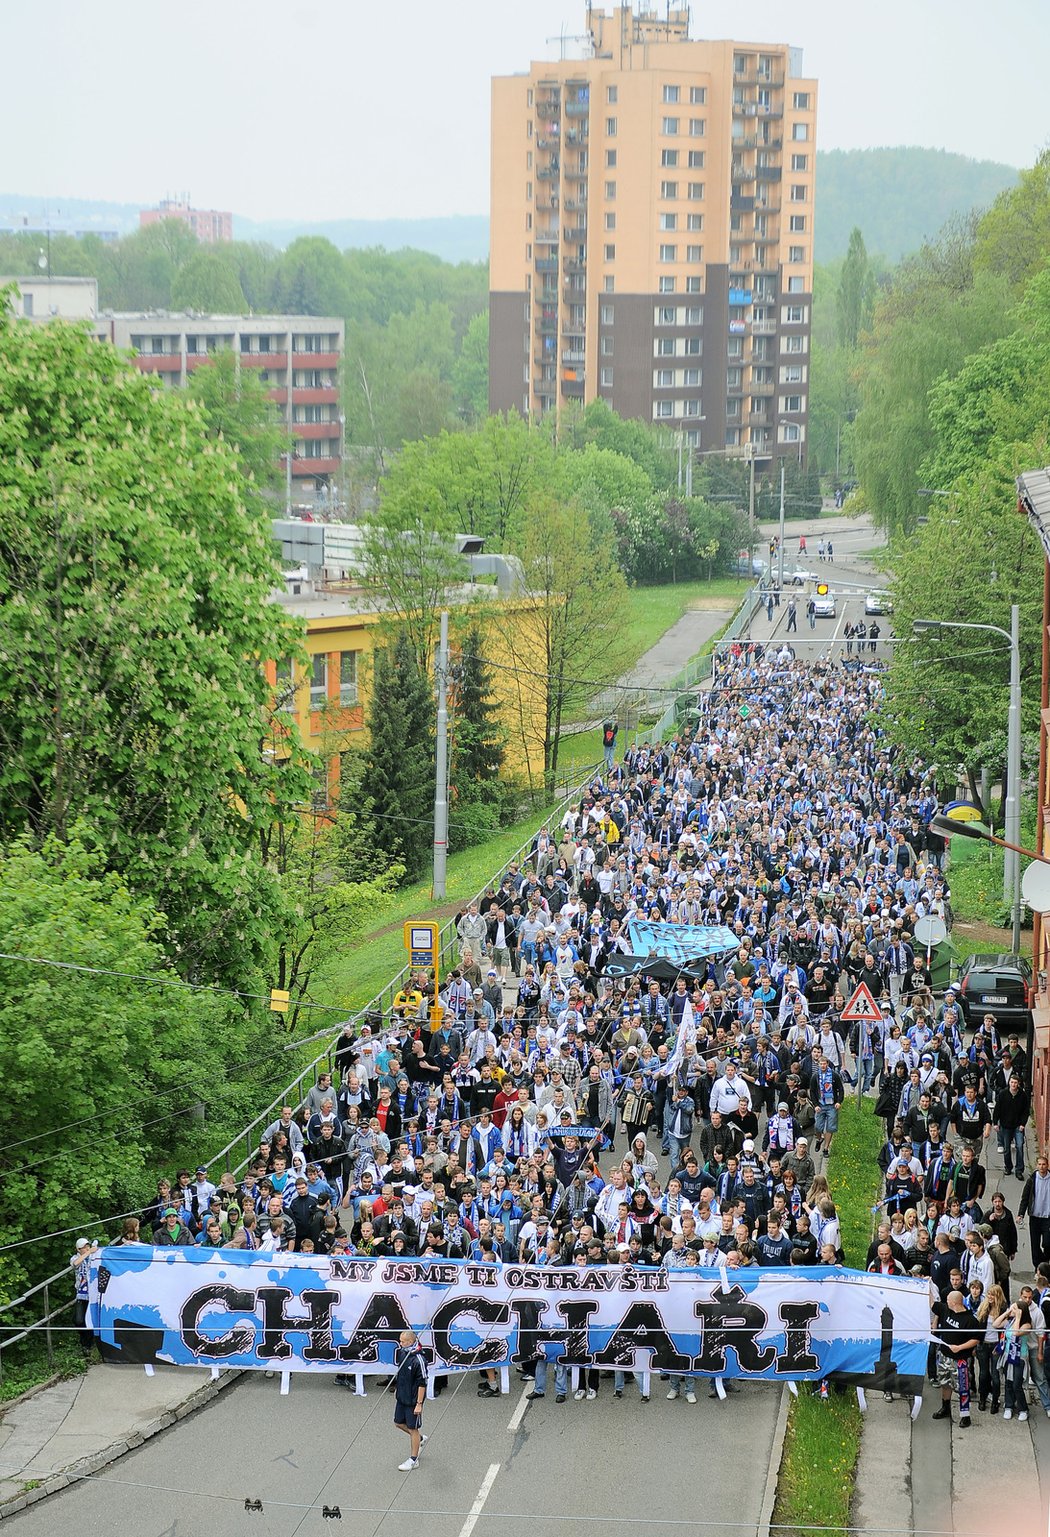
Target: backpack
(1000,1262)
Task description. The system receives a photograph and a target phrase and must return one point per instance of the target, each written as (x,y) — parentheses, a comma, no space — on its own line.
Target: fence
(246,1141)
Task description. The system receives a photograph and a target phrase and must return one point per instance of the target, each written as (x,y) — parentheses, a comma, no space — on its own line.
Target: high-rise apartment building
(212,226)
(652,233)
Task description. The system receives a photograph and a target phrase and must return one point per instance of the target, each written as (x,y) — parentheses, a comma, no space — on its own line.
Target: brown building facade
(652,234)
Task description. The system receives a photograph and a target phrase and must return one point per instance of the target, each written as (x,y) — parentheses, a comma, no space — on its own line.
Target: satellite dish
(1035,887)
(930,931)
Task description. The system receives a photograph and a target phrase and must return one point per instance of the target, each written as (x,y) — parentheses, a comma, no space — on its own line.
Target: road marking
(519,1413)
(479,1504)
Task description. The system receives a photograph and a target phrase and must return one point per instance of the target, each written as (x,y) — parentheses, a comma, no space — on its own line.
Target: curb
(86,1466)
(776,1453)
(38,1387)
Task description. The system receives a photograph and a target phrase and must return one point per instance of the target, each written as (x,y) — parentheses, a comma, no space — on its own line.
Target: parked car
(878,602)
(824,605)
(800,576)
(757,568)
(999,985)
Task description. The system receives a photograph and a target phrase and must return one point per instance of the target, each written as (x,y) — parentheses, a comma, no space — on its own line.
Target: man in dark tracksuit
(410,1391)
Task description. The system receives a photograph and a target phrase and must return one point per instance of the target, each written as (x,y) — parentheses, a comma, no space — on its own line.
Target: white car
(878,602)
(824,605)
(800,576)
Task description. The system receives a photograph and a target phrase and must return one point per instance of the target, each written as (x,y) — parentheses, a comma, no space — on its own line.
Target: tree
(470,374)
(477,747)
(134,614)
(238,410)
(567,635)
(855,294)
(208,282)
(647,447)
(1013,237)
(399,759)
(411,564)
(311,279)
(105,1068)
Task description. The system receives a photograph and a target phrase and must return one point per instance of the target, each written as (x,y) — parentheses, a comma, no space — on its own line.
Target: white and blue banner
(298,1313)
(681,942)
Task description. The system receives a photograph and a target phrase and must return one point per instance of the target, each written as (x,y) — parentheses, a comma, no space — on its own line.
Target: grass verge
(822,1444)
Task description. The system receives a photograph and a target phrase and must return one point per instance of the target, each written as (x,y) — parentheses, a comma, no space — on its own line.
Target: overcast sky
(293,108)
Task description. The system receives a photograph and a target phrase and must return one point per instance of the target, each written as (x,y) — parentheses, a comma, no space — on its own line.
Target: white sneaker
(422,1442)
(690,1397)
(673,1393)
(592,1393)
(1008,1414)
(408,1466)
(580,1394)
(1023,1414)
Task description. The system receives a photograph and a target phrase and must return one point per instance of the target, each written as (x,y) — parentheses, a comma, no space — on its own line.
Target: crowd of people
(544,1108)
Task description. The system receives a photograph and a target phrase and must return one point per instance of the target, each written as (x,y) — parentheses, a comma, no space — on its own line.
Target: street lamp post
(1012,809)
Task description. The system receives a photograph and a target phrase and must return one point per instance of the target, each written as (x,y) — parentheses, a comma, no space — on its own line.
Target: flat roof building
(652,233)
(210,225)
(54,298)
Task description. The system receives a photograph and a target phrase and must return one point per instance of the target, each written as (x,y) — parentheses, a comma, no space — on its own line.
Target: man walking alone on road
(410,1391)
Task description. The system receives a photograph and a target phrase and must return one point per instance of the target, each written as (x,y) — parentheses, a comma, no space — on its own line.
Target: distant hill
(898,197)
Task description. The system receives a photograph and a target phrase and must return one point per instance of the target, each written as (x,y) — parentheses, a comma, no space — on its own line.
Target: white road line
(519,1413)
(479,1504)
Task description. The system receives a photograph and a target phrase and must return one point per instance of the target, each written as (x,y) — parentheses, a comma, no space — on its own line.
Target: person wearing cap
(80,1259)
(171,1233)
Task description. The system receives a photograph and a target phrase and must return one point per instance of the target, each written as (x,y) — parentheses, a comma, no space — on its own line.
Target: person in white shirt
(730,1095)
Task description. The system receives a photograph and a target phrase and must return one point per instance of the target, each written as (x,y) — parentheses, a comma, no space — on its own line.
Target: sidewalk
(81,1424)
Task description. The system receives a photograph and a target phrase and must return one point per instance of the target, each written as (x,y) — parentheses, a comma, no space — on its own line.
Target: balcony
(546,264)
(270,359)
(572,389)
(574,328)
(548,141)
(753,77)
(548,236)
(278,396)
(738,203)
(576,173)
(577,135)
(159,363)
(303,469)
(762,391)
(548,172)
(748,141)
(315,429)
(576,232)
(576,264)
(577,108)
(573,357)
(320,397)
(763,328)
(312,359)
(546,296)
(745,109)
(548,110)
(572,204)
(547,327)
(757,419)
(769,172)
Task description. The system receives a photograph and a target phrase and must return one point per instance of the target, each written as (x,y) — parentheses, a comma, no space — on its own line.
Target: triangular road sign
(861,1005)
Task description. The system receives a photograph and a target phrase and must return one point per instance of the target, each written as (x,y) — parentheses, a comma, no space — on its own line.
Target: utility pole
(441,764)
(780,547)
(288,482)
(1012,810)
(751,496)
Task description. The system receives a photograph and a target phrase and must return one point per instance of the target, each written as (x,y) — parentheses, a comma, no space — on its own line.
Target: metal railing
(42,1325)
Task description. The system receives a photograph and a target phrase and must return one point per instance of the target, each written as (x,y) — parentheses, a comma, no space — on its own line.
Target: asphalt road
(491,1465)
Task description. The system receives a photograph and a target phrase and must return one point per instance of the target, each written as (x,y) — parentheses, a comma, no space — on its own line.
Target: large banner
(681,942)
(208,1307)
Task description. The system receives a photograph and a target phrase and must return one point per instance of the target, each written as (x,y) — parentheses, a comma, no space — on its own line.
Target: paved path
(675,648)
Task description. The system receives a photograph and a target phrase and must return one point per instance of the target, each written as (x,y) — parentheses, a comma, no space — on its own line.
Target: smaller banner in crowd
(681,942)
(208,1307)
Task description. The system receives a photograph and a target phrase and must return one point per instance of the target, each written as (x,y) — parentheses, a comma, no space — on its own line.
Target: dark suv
(999,985)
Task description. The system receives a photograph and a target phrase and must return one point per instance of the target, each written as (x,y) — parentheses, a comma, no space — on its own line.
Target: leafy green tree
(855,295)
(399,759)
(397,380)
(311,279)
(1013,237)
(106,1069)
(134,612)
(238,410)
(650,449)
(470,373)
(208,282)
(411,563)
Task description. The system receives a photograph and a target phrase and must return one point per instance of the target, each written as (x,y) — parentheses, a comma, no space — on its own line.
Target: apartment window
(739,64)
(692,377)
(318,682)
(692,408)
(665,346)
(799,192)
(698,95)
(694,346)
(694,221)
(610,253)
(800,132)
(668,253)
(609,285)
(608,314)
(284,689)
(671,93)
(668,221)
(796,253)
(694,315)
(735,347)
(793,343)
(669,126)
(733,378)
(666,285)
(610,221)
(528,251)
(697,127)
(669,189)
(669,159)
(528,160)
(796,286)
(606,377)
(694,253)
(528,221)
(800,101)
(792,404)
(347,677)
(610,159)
(791,432)
(792,374)
(696,159)
(607,346)
(610,191)
(611,95)
(665,315)
(664,408)
(696,191)
(797,223)
(610,128)
(531,96)
(664,378)
(692,285)
(800,162)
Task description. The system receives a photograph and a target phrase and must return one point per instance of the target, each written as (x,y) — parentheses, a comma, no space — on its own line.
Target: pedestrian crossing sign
(861,1005)
(743,712)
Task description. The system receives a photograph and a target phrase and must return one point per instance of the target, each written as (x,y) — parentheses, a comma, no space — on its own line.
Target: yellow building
(652,233)
(328,698)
